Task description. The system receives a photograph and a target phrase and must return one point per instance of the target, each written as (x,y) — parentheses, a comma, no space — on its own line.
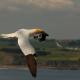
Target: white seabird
(23,41)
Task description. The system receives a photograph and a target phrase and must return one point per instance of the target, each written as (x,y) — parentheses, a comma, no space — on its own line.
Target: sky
(59,18)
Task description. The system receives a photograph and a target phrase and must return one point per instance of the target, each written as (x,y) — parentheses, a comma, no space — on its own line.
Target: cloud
(52,3)
(14,4)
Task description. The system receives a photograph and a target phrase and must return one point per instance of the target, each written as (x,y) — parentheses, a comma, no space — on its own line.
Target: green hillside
(46,51)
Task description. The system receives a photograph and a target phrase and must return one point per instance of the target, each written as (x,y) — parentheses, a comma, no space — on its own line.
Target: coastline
(23,67)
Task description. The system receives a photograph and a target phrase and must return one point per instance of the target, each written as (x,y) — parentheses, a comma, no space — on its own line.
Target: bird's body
(23,41)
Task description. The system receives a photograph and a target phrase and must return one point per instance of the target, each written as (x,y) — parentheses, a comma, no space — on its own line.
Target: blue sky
(60,18)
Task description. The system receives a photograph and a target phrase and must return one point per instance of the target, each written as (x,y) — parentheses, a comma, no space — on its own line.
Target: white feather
(8,35)
(59,45)
(23,40)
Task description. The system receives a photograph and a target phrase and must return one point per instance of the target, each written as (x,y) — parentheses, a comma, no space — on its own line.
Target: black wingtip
(34,75)
(32,65)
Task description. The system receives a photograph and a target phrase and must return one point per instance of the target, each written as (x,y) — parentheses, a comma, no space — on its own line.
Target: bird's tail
(32,64)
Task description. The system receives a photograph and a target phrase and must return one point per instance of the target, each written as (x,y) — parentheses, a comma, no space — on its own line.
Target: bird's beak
(46,34)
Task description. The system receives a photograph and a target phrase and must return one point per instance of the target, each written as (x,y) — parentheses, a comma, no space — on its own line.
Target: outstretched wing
(32,64)
(11,35)
(28,51)
(59,45)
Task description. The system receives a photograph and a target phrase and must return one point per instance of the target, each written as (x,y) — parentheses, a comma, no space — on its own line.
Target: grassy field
(58,54)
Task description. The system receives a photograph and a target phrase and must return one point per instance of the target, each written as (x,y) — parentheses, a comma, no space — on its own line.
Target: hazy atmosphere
(60,18)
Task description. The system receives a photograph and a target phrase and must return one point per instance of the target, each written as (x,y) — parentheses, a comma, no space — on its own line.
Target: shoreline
(23,67)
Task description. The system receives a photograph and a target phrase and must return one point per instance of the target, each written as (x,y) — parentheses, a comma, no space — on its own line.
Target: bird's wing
(59,45)
(28,51)
(32,64)
(11,35)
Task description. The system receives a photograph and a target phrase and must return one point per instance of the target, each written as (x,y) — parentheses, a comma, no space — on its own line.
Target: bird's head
(39,34)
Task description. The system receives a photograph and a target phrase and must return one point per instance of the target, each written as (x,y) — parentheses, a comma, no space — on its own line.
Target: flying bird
(23,36)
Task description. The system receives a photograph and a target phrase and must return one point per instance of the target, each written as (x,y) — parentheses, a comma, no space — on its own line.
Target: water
(43,74)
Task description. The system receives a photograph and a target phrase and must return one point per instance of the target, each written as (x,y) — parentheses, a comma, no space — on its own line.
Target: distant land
(47,52)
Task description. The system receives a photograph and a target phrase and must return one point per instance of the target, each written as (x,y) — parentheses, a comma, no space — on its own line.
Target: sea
(42,74)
